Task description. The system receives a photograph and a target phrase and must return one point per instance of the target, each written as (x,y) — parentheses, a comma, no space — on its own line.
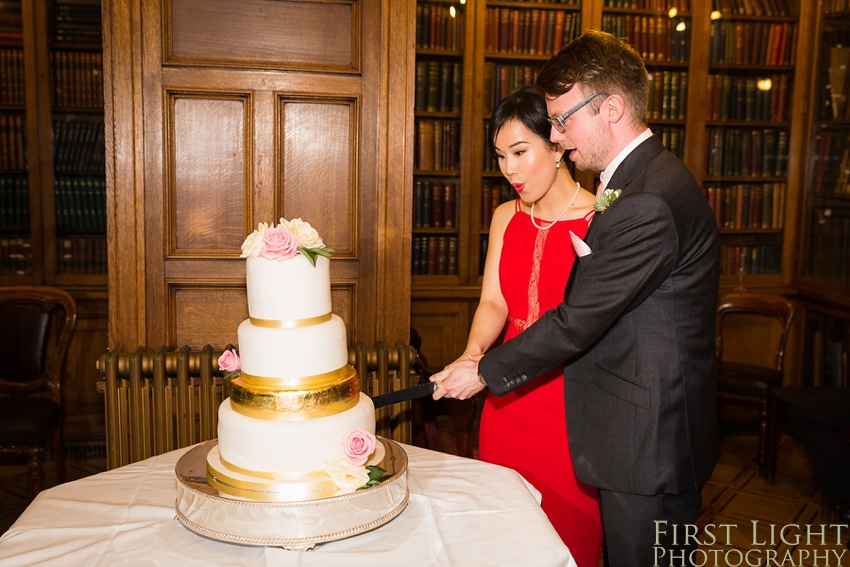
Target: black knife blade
(404,395)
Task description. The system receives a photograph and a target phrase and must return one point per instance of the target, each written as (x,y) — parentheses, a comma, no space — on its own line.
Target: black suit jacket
(636,331)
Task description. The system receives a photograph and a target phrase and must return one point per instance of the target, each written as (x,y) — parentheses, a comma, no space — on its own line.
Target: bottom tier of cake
(296,525)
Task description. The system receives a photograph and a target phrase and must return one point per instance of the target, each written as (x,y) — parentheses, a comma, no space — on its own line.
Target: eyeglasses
(558,121)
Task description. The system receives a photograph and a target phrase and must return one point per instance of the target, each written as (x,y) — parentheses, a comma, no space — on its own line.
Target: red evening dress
(526,429)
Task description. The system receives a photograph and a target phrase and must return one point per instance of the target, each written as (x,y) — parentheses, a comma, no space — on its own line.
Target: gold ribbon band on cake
(277,404)
(299,382)
(270,491)
(290,323)
(285,476)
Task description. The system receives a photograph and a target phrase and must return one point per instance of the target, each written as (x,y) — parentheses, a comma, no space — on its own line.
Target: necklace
(551,224)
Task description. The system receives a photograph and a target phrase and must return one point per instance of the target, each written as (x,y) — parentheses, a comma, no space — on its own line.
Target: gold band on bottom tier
(274,403)
(270,490)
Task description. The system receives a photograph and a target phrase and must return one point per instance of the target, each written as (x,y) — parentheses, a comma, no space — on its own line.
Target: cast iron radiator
(159,401)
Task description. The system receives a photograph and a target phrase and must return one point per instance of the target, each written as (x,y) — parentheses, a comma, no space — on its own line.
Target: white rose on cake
(346,476)
(307,236)
(253,245)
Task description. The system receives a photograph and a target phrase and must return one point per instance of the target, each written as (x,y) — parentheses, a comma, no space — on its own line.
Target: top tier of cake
(306,295)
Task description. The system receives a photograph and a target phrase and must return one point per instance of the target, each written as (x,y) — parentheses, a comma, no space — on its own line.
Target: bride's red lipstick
(518,186)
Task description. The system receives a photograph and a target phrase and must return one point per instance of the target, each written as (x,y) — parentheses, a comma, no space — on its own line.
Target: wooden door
(226,114)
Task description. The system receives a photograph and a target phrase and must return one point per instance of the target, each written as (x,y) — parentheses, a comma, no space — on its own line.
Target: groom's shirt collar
(606,175)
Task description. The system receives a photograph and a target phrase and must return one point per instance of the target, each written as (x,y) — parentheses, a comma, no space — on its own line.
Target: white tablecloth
(461,512)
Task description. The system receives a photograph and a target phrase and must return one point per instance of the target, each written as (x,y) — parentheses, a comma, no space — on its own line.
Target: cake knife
(404,395)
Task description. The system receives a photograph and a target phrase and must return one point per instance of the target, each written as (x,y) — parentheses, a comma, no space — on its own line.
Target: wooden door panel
(318,168)
(207,193)
(321,36)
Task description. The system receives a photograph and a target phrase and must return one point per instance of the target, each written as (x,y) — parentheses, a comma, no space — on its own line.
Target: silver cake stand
(296,526)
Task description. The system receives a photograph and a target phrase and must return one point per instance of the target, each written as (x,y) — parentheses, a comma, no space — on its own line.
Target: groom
(636,328)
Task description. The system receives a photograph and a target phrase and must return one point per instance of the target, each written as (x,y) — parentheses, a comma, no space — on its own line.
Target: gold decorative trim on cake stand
(296,526)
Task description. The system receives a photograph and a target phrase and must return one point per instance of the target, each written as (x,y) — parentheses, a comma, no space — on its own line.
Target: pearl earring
(558,164)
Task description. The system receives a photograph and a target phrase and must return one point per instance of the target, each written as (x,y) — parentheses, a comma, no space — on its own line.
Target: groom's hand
(459,379)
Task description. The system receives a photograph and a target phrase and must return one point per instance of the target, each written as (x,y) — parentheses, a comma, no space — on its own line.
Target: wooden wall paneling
(123,112)
(444,327)
(225,137)
(208,185)
(263,34)
(83,405)
(394,179)
(318,168)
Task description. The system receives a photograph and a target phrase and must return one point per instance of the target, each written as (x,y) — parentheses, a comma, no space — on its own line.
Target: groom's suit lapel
(628,169)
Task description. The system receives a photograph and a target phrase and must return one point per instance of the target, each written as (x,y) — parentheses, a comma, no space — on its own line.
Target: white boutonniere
(604,199)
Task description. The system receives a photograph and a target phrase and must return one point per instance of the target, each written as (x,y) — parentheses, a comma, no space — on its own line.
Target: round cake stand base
(295,526)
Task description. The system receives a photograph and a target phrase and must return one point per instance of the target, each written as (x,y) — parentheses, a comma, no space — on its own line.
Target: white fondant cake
(296,400)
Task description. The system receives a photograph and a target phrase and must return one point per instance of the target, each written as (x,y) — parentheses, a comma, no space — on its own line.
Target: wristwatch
(481,379)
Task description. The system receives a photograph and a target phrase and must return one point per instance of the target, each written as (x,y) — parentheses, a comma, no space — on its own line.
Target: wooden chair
(748,383)
(426,412)
(36,325)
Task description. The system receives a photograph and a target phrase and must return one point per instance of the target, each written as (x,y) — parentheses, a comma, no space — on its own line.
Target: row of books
(77,79)
(14,202)
(11,20)
(80,203)
(529,31)
(748,206)
(752,43)
(15,256)
(835,7)
(435,204)
(493,194)
(439,86)
(748,98)
(439,26)
(437,145)
(831,162)
(434,255)
(567,2)
(500,80)
(81,255)
(752,7)
(77,22)
(668,95)
(837,79)
(78,145)
(745,152)
(830,245)
(13,142)
(12,88)
(656,38)
(749,259)
(673,138)
(680,5)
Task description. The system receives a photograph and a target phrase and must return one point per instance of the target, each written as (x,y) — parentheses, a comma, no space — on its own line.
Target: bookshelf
(52,178)
(824,276)
(752,51)
(52,226)
(15,241)
(741,93)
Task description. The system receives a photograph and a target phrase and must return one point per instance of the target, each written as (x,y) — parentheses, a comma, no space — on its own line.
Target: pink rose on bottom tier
(359,444)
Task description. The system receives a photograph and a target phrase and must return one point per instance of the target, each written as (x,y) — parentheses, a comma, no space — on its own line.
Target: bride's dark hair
(526,106)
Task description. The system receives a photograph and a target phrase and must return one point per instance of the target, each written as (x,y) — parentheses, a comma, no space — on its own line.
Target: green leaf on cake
(376,473)
(313,253)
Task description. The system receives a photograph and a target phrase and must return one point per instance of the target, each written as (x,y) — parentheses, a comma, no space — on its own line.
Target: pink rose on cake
(279,244)
(284,241)
(228,361)
(359,445)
